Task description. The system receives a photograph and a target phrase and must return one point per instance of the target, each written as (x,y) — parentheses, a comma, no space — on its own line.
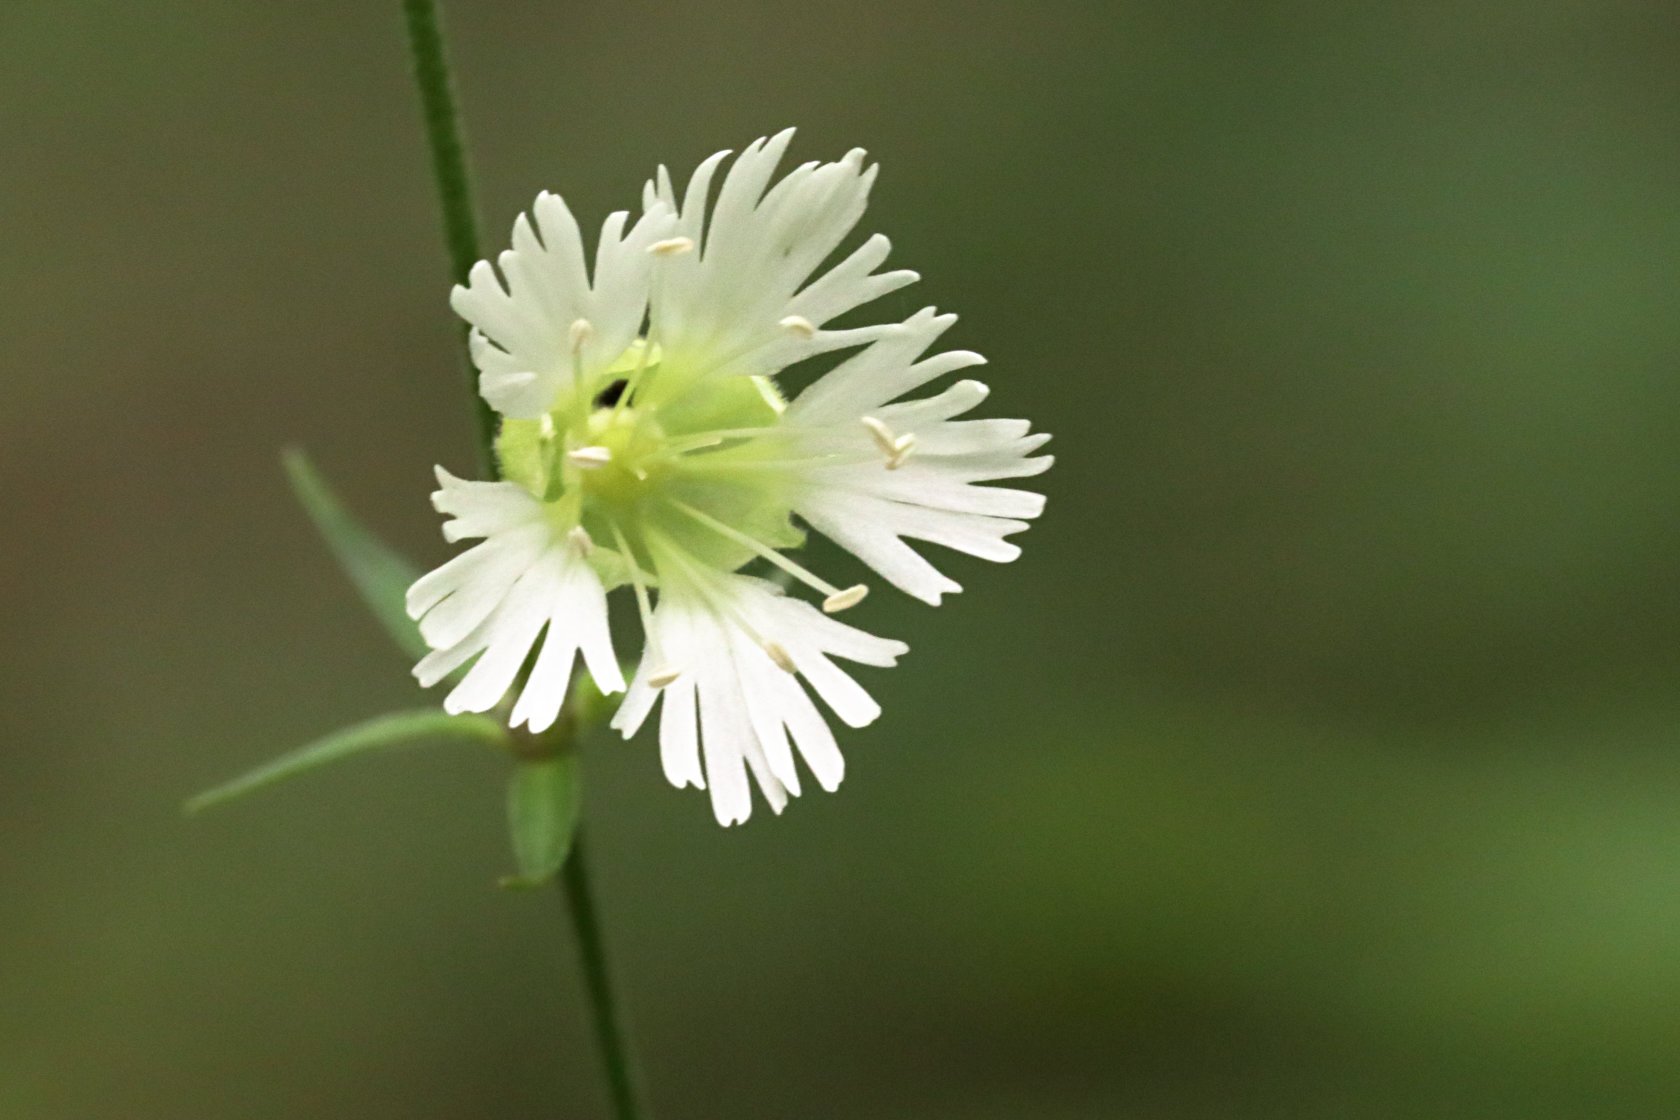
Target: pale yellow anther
(885,442)
(780,657)
(580,540)
(894,448)
(545,425)
(902,447)
(841,600)
(672,247)
(582,331)
(590,458)
(663,677)
(799,325)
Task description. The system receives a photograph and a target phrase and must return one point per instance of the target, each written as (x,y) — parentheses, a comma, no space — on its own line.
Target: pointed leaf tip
(380,574)
(395,730)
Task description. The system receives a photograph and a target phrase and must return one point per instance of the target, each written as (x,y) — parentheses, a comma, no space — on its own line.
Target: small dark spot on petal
(608,397)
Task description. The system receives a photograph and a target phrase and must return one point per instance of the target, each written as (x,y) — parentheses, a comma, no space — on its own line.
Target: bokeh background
(1320,758)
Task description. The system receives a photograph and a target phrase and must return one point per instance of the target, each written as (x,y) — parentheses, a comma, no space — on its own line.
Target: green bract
(543,793)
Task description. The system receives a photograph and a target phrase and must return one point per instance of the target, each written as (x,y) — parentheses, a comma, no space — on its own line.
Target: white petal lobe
(752,715)
(492,602)
(878,470)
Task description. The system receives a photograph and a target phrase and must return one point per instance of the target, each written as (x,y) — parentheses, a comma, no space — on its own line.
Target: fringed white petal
(494,600)
(507,640)
(868,502)
(478,581)
(851,283)
(727,305)
(761,681)
(752,714)
(881,549)
(480,509)
(576,617)
(881,373)
(523,340)
(726,737)
(679,736)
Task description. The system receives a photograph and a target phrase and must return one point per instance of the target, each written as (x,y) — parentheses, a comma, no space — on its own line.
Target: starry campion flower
(667,460)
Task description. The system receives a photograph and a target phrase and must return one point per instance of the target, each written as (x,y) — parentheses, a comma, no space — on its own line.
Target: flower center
(643,467)
(635,453)
(639,447)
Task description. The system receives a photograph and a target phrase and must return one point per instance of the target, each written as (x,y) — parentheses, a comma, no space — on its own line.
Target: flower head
(667,459)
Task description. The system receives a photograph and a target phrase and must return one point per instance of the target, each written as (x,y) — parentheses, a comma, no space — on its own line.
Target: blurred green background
(1320,758)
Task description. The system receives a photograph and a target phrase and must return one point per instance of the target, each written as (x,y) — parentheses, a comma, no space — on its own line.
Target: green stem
(622,1083)
(449,169)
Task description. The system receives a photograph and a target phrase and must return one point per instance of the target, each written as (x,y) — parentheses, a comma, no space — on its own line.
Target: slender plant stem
(454,186)
(460,227)
(622,1082)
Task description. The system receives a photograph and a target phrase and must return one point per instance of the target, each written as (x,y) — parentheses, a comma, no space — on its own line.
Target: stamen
(668,674)
(885,442)
(703,583)
(702,441)
(545,426)
(713,464)
(894,448)
(672,247)
(841,600)
(590,458)
(799,325)
(901,450)
(582,331)
(780,656)
(810,579)
(580,540)
(693,443)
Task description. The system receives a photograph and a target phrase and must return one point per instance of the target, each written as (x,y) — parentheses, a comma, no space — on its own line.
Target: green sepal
(543,800)
(381,575)
(395,730)
(519,454)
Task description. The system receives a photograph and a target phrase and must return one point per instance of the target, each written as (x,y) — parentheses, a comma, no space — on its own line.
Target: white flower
(667,460)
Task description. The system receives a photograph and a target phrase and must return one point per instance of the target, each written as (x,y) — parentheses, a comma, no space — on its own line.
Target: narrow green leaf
(542,815)
(395,730)
(380,574)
